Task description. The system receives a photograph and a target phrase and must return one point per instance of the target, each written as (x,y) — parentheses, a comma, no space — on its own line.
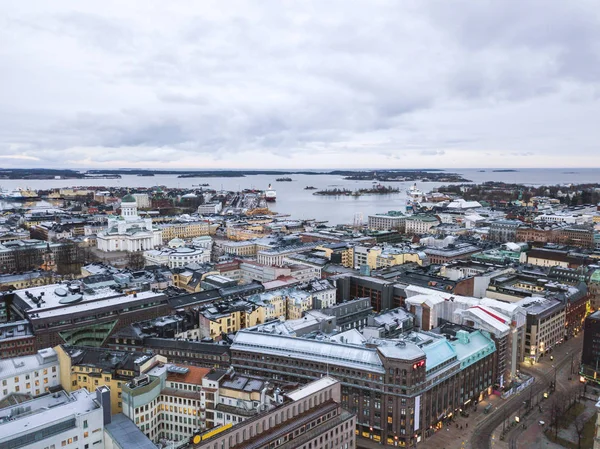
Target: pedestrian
(460,427)
(467,425)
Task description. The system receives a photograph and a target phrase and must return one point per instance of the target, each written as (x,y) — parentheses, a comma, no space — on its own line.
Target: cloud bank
(274,84)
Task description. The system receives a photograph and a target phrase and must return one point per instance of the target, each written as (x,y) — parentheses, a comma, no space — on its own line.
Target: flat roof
(27,363)
(126,435)
(52,295)
(311,388)
(45,409)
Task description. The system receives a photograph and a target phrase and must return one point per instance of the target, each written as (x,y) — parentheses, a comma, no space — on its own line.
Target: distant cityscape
(200,318)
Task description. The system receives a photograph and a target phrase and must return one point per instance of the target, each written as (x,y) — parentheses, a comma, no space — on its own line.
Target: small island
(505,170)
(403,176)
(284,180)
(375,190)
(310,188)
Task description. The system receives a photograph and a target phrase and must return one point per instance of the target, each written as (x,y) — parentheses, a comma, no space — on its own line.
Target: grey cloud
(149,82)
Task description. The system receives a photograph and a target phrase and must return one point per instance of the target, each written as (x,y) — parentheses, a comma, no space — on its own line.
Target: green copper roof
(595,277)
(129,198)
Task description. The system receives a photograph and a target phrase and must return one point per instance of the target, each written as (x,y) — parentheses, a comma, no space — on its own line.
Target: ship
(270,194)
(18,194)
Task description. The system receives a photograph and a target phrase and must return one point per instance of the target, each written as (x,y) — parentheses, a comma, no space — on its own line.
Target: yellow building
(87,367)
(298,302)
(273,304)
(343,253)
(244,248)
(246,232)
(184,231)
(378,257)
(190,281)
(229,317)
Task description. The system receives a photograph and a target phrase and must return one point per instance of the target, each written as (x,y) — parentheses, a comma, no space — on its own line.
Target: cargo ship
(18,194)
(270,194)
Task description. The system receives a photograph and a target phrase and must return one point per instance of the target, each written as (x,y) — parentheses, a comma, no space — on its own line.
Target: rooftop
(65,299)
(311,388)
(24,418)
(25,364)
(126,435)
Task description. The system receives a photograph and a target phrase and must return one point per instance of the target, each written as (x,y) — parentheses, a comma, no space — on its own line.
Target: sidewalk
(450,436)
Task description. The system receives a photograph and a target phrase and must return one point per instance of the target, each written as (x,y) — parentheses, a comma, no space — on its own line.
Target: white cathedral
(128,232)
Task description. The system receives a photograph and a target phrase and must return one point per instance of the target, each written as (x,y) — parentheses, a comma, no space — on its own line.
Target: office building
(57,421)
(29,375)
(399,388)
(308,417)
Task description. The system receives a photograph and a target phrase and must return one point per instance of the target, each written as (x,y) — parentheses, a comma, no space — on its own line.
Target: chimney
(103,398)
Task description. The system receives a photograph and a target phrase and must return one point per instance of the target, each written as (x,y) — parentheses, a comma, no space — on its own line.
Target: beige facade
(184,230)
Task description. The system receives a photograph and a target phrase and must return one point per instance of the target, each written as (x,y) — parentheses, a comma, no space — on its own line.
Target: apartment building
(185,230)
(340,253)
(308,417)
(504,230)
(420,224)
(227,317)
(16,339)
(56,421)
(392,220)
(545,326)
(90,368)
(176,402)
(30,375)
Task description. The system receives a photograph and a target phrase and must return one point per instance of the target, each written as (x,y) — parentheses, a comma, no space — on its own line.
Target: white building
(142,200)
(210,208)
(420,224)
(384,222)
(30,374)
(176,257)
(57,421)
(128,232)
(173,402)
(323,292)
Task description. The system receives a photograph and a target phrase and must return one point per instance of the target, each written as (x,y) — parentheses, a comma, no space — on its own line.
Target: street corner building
(401,389)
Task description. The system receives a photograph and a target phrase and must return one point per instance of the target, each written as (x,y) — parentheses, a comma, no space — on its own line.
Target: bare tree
(579,425)
(135,260)
(26,259)
(557,409)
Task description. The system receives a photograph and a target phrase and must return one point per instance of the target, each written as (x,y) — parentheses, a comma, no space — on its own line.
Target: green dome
(128,199)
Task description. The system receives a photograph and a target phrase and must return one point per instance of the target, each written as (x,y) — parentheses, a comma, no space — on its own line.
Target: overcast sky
(277,84)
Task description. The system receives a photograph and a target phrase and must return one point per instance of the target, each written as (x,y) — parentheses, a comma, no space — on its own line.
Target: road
(544,373)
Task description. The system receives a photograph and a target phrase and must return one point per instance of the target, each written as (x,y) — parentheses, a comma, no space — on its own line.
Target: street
(481,431)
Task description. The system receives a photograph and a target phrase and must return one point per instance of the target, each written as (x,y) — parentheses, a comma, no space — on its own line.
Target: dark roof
(194,298)
(196,346)
(215,375)
(126,434)
(106,359)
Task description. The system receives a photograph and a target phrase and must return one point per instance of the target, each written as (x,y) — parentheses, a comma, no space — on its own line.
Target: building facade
(128,232)
(399,389)
(29,375)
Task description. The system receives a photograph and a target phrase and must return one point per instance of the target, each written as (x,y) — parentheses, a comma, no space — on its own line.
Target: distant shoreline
(437,175)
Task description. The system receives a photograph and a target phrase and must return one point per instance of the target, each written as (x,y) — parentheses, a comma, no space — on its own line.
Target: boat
(310,188)
(18,194)
(415,195)
(270,194)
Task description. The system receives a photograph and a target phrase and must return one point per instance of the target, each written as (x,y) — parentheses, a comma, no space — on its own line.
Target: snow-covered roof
(318,350)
